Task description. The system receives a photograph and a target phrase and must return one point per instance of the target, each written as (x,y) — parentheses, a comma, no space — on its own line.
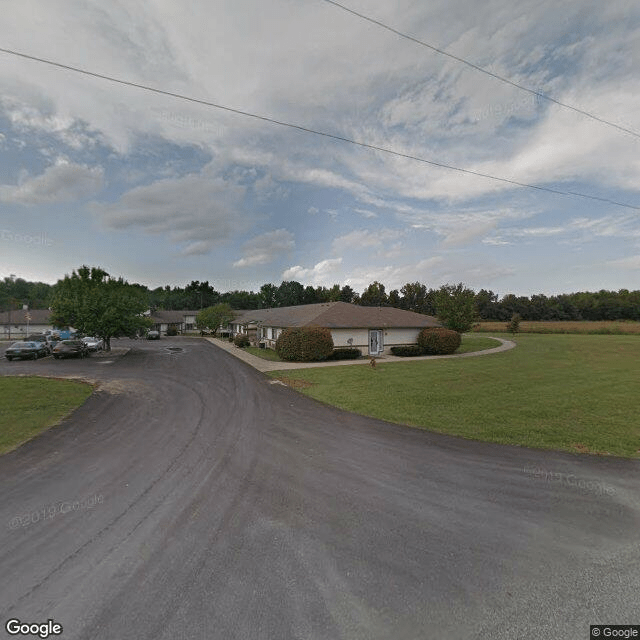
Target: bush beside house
(241,340)
(304,344)
(436,341)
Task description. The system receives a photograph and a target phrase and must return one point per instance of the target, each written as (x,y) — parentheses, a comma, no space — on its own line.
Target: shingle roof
(337,315)
(38,316)
(171,316)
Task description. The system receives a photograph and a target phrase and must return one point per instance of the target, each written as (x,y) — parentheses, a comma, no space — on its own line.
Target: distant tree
(220,315)
(394,299)
(455,307)
(486,304)
(290,294)
(347,294)
(268,296)
(94,303)
(333,294)
(374,295)
(415,297)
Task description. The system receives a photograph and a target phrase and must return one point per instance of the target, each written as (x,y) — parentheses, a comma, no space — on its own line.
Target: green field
(598,327)
(29,405)
(576,393)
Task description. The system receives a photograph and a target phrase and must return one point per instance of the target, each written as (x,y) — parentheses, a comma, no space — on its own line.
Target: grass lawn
(477,343)
(265,354)
(576,393)
(31,405)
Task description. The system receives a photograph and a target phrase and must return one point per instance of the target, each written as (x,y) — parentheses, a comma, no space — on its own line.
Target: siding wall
(359,338)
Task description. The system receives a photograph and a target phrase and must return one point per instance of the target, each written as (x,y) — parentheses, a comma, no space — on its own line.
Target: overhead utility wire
(533,92)
(314,131)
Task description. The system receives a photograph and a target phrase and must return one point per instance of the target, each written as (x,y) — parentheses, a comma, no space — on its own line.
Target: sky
(162,191)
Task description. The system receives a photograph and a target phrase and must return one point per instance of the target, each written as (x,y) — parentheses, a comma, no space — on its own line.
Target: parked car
(153,335)
(70,349)
(93,344)
(40,338)
(22,350)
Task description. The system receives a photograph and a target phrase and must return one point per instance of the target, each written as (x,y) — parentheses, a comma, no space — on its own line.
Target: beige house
(373,330)
(182,320)
(18,324)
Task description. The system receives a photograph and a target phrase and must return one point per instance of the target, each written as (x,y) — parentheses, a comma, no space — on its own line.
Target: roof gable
(336,315)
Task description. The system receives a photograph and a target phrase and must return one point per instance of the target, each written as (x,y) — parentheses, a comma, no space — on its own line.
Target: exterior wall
(19,330)
(356,338)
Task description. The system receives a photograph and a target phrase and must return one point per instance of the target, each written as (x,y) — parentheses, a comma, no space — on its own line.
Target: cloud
(364,238)
(319,274)
(632,262)
(266,248)
(62,182)
(197,211)
(365,213)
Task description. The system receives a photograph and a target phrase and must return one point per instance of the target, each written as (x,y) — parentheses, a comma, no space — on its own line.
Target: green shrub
(437,341)
(304,344)
(514,323)
(241,340)
(407,351)
(345,353)
(172,331)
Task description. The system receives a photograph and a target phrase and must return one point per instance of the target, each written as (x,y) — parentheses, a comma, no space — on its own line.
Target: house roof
(337,315)
(171,316)
(38,316)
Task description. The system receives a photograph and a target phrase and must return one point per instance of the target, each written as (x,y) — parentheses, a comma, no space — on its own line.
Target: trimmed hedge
(241,340)
(407,351)
(438,341)
(345,353)
(304,344)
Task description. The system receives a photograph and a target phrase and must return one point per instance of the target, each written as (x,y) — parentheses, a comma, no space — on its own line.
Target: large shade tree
(94,303)
(219,315)
(456,307)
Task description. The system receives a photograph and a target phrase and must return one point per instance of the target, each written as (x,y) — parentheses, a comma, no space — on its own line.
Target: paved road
(192,499)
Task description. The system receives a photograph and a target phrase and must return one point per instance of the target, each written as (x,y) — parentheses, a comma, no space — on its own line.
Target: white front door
(375,342)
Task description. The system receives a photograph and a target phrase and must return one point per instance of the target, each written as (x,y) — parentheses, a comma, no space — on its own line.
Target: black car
(23,350)
(70,349)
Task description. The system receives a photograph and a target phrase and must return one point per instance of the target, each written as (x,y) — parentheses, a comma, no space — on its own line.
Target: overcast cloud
(165,191)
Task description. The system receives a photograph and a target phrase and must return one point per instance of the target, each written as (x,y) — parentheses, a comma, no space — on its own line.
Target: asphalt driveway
(190,498)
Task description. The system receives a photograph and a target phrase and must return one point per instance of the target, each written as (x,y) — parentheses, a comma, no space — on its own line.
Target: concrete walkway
(269,365)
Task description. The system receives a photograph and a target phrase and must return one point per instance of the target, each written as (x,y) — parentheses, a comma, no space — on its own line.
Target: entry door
(375,342)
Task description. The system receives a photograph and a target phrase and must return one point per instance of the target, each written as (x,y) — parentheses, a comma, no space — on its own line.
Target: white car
(93,344)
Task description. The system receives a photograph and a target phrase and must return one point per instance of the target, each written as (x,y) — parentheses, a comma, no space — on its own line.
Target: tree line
(413,296)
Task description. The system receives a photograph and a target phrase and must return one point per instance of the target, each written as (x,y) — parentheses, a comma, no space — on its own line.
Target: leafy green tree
(415,297)
(290,293)
(220,315)
(94,303)
(394,299)
(374,295)
(268,296)
(455,307)
(347,294)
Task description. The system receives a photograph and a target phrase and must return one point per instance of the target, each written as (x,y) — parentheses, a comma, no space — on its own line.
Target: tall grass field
(601,327)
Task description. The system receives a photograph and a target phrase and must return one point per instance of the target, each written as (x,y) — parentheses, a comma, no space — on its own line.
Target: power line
(298,127)
(533,92)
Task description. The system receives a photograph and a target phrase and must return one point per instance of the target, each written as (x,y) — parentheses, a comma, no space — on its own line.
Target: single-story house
(18,323)
(373,330)
(181,320)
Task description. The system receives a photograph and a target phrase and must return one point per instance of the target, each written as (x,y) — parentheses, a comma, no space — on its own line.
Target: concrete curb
(267,365)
